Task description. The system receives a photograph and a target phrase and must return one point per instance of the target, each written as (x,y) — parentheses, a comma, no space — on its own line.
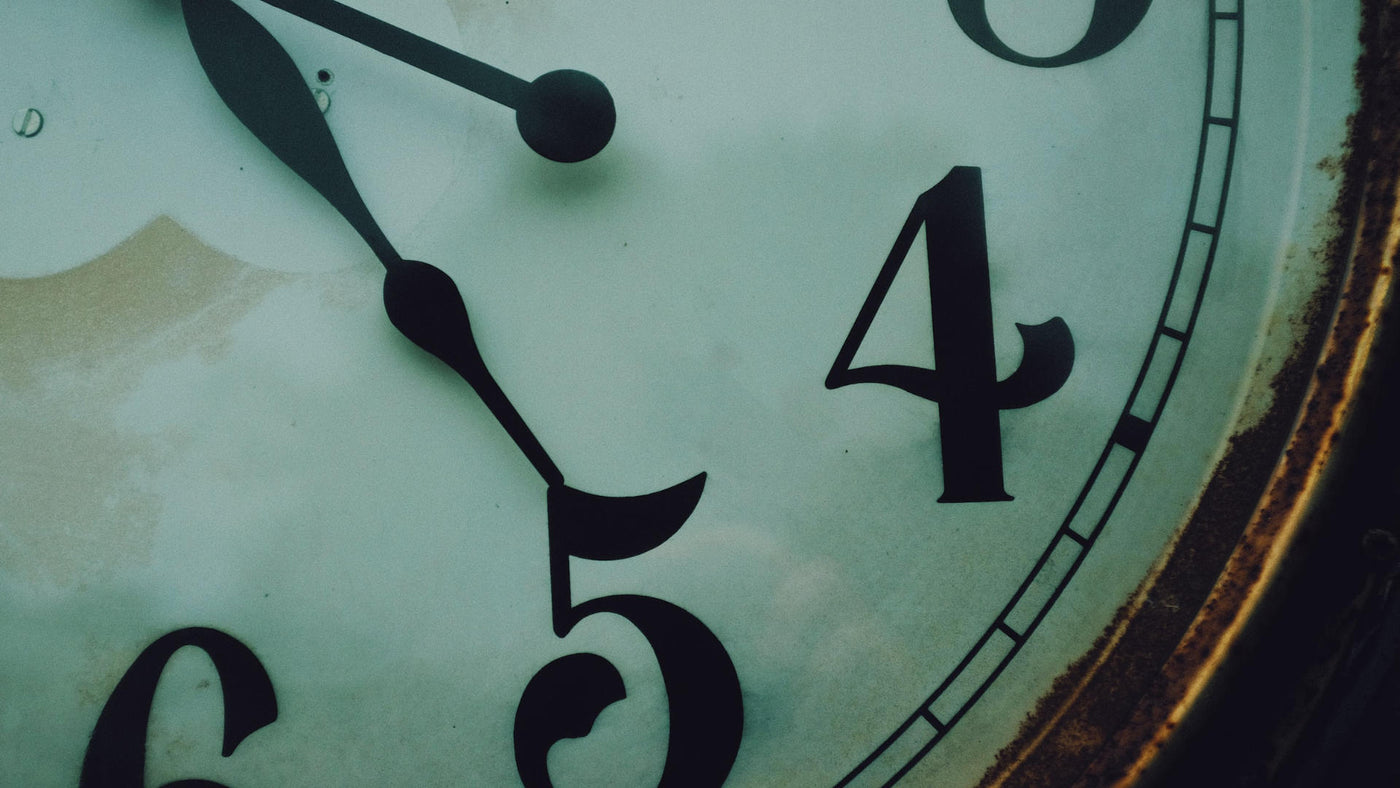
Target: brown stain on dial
(1114,712)
(73,346)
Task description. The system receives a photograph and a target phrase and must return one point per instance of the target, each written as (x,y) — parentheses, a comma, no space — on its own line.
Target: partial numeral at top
(1111,24)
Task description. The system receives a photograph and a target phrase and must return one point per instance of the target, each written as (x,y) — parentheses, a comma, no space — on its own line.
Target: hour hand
(424,305)
(564,115)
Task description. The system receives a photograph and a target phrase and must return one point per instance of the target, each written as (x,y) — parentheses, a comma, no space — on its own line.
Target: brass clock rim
(1114,716)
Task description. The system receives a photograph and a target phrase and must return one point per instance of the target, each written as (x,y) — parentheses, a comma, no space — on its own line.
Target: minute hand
(260,84)
(436,59)
(563,115)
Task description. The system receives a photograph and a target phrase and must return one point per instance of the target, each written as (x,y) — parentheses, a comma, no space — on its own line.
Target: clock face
(847,396)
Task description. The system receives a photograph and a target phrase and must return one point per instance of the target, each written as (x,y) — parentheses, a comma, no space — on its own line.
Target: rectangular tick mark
(1132,433)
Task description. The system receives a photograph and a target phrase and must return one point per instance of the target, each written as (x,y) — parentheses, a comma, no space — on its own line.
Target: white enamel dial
(207,421)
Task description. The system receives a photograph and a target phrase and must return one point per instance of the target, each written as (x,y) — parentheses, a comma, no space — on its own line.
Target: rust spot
(1115,709)
(1334,166)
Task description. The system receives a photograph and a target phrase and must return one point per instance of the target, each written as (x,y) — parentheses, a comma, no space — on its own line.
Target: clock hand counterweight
(563,115)
(258,81)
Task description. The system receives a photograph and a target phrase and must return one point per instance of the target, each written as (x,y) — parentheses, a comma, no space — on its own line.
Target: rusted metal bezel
(1114,716)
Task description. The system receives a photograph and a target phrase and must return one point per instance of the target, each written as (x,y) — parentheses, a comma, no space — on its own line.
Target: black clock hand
(258,81)
(261,85)
(563,115)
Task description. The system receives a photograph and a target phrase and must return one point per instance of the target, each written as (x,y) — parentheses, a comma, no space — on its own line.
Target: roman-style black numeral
(565,697)
(964,385)
(1113,21)
(116,754)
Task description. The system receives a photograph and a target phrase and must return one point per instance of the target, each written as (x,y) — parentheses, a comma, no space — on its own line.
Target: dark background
(1312,696)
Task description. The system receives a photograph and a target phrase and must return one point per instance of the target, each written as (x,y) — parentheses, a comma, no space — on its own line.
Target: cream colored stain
(469,12)
(486,21)
(72,347)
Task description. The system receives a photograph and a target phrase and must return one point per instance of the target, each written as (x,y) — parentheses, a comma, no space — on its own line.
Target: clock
(637,393)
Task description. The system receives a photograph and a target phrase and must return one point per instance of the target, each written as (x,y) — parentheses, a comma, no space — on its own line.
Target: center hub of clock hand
(258,81)
(564,115)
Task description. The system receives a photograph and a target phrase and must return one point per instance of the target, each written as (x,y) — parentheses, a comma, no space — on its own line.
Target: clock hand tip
(566,116)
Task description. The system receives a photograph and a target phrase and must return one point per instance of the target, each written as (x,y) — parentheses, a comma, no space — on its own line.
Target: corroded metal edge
(1109,718)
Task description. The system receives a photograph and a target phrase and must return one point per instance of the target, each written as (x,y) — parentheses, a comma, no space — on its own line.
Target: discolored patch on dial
(73,346)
